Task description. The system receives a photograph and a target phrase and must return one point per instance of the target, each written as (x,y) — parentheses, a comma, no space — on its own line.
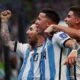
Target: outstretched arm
(5,16)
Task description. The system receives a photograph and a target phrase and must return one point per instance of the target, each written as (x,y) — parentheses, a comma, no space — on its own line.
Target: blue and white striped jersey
(51,67)
(54,60)
(30,68)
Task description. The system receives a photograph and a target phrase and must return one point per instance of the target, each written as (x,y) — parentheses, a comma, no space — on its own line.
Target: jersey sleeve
(21,49)
(61,38)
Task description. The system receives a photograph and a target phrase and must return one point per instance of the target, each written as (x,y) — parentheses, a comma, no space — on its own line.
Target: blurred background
(24,11)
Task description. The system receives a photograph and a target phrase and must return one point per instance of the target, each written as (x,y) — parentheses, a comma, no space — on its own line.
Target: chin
(33,43)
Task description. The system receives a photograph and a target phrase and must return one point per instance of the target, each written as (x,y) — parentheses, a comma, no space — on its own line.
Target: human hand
(71,59)
(51,28)
(5,15)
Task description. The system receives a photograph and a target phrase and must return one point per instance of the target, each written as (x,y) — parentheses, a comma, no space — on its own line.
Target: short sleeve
(61,38)
(21,49)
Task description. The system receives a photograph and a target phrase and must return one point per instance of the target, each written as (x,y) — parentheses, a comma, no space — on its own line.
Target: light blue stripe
(51,60)
(68,73)
(24,64)
(31,71)
(42,64)
(42,70)
(68,68)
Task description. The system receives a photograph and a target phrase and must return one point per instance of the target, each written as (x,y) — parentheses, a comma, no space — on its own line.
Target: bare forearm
(6,36)
(71,59)
(70,31)
(4,32)
(72,43)
(4,28)
(5,16)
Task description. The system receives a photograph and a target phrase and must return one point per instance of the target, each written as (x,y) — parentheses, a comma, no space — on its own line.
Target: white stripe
(47,71)
(36,65)
(57,50)
(57,59)
(27,68)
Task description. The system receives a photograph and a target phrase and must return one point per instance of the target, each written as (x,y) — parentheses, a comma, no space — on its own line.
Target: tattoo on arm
(5,32)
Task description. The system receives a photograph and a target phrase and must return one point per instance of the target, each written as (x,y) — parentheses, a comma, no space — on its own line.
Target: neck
(77,26)
(40,40)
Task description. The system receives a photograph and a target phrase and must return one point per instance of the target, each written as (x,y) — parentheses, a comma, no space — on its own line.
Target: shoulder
(60,38)
(61,35)
(22,46)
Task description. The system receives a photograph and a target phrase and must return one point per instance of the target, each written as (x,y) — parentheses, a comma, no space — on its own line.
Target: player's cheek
(36,37)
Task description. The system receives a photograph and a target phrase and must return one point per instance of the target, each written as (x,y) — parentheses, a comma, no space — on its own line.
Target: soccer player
(31,51)
(53,67)
(73,29)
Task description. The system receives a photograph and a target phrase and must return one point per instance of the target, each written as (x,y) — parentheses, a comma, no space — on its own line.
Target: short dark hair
(32,22)
(51,14)
(76,10)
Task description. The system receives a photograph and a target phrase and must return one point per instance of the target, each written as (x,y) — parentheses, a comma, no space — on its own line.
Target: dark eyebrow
(38,18)
(68,15)
(31,28)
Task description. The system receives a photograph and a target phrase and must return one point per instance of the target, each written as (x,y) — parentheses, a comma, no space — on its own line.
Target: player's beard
(33,42)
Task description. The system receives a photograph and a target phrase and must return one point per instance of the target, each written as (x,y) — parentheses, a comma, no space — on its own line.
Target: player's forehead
(70,13)
(41,15)
(33,27)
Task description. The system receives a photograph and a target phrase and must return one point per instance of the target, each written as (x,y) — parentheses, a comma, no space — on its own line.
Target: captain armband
(15,46)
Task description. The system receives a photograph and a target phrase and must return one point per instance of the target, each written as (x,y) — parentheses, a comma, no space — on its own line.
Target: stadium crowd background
(24,11)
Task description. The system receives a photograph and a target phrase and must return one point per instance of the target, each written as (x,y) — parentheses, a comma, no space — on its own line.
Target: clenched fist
(5,15)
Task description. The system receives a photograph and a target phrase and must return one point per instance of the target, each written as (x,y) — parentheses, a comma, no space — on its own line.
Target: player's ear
(49,23)
(77,20)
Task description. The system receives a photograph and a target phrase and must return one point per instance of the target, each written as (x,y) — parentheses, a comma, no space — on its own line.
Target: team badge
(63,35)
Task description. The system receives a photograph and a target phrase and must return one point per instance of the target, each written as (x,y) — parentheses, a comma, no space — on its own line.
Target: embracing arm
(70,31)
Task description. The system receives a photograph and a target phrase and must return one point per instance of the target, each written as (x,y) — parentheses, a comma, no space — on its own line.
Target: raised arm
(5,16)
